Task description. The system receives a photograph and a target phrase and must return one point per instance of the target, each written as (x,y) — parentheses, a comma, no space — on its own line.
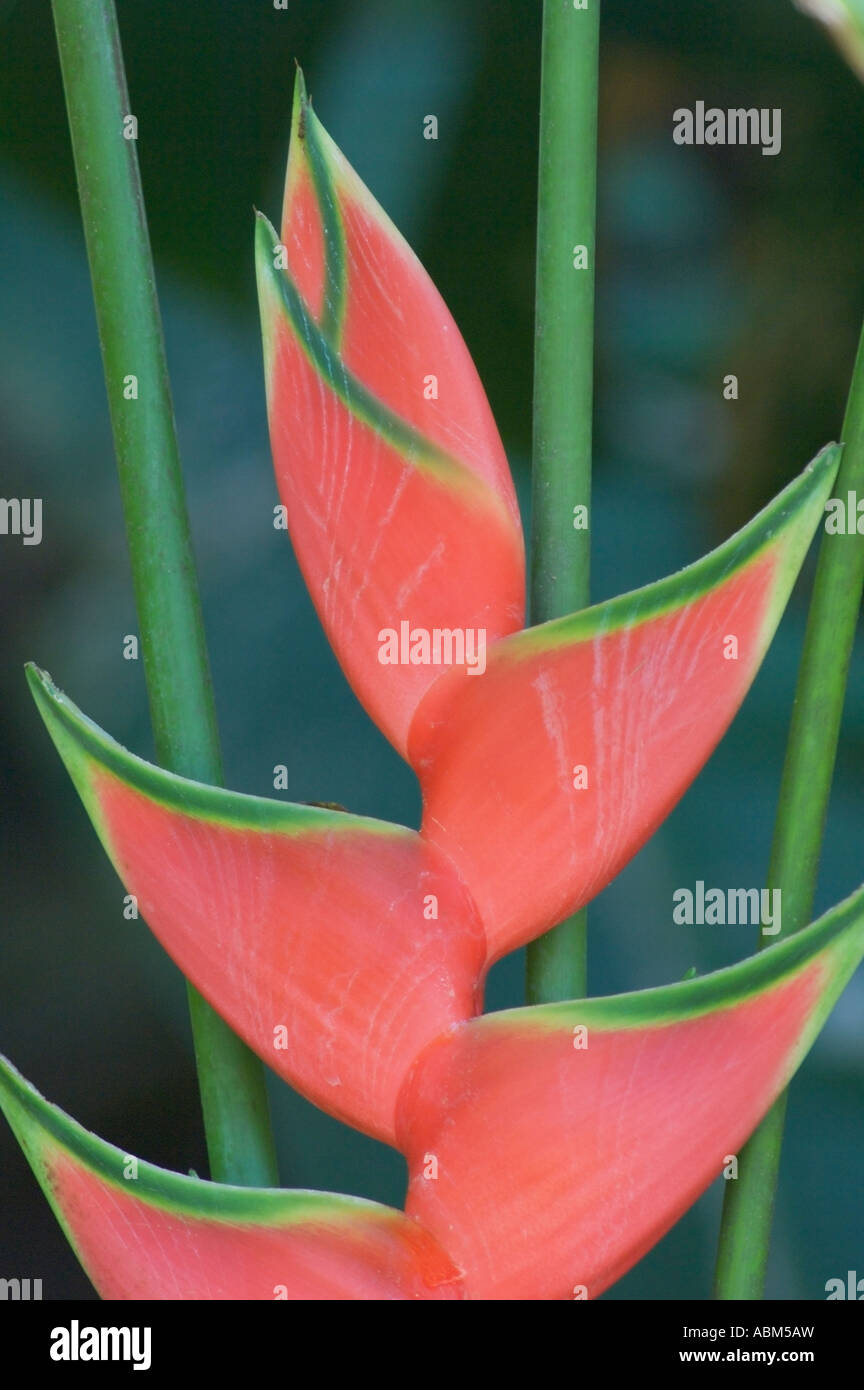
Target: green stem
(804,793)
(233,1094)
(564,379)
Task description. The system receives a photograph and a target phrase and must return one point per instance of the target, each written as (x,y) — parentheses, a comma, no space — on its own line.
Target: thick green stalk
(234,1099)
(564,379)
(804,792)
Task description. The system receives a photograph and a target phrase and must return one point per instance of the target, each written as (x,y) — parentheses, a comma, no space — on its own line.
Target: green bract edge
(307,134)
(840,932)
(81,742)
(36,1121)
(343,180)
(789,507)
(348,183)
(277,290)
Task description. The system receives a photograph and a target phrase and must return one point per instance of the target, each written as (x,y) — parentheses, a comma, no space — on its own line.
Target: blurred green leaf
(844,20)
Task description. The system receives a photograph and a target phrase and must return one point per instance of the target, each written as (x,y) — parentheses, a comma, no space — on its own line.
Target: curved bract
(567,1138)
(584,732)
(144,1233)
(335,945)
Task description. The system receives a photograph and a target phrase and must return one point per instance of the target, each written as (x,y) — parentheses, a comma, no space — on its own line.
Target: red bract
(567,1138)
(583,733)
(143,1233)
(336,946)
(550,1147)
(399,501)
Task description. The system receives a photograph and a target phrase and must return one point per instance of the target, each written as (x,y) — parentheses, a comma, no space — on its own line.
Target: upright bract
(395,482)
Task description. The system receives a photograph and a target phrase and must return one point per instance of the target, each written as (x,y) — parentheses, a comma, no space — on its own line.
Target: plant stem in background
(804,792)
(233,1094)
(564,380)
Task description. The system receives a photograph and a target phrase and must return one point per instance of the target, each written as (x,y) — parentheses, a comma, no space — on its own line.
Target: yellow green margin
(334,181)
(310,139)
(788,521)
(36,1124)
(835,943)
(281,302)
(86,748)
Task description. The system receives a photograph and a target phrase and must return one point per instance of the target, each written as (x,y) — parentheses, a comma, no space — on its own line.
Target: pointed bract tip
(40,683)
(266,240)
(8,1073)
(44,688)
(20,1101)
(264,227)
(301,104)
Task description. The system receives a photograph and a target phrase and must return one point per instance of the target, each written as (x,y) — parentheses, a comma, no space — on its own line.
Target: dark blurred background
(711,261)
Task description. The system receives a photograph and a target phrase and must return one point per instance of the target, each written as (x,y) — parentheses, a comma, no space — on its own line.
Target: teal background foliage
(711,261)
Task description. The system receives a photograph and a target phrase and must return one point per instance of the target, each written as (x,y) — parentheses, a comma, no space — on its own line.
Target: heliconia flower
(551,1147)
(338,946)
(335,945)
(548,1148)
(141,1232)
